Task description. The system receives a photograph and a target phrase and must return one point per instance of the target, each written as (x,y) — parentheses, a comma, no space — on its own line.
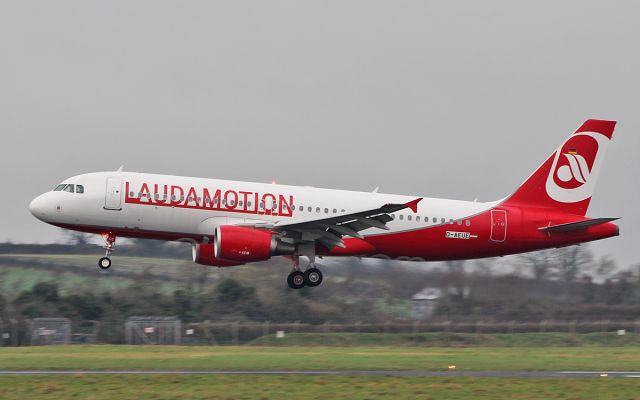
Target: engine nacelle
(204,254)
(240,244)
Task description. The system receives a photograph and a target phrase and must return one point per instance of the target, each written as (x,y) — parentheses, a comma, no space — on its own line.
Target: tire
(296,280)
(104,263)
(312,277)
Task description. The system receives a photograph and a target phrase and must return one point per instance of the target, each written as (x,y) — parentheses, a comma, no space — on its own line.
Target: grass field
(590,358)
(594,358)
(320,387)
(46,268)
(451,339)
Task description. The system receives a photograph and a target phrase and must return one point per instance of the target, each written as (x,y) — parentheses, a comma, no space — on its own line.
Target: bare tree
(538,263)
(606,265)
(572,261)
(77,238)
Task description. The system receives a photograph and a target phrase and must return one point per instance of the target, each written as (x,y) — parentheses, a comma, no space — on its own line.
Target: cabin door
(113,194)
(498,225)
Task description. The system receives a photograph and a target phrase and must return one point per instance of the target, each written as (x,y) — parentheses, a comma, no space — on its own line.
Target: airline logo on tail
(575,167)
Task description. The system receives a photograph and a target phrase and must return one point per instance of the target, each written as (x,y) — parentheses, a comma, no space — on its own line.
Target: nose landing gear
(110,241)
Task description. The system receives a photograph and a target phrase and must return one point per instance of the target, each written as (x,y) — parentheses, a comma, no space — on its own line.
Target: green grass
(595,358)
(315,387)
(443,339)
(590,358)
(18,278)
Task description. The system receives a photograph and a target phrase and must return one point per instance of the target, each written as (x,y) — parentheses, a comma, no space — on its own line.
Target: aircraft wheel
(296,280)
(312,277)
(104,263)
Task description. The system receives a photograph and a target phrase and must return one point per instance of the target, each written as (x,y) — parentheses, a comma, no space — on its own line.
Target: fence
(48,331)
(152,330)
(235,333)
(169,330)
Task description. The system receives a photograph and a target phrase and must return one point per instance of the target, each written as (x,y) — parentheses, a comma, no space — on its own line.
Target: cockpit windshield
(68,187)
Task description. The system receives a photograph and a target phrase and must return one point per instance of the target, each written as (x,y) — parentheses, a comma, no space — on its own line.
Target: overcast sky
(444,99)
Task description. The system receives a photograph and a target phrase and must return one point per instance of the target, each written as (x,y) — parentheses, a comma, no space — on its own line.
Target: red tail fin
(567,179)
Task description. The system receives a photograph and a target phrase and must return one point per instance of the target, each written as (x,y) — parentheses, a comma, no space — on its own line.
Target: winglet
(413,204)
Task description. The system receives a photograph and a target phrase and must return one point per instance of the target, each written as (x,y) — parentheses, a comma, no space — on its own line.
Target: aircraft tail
(567,179)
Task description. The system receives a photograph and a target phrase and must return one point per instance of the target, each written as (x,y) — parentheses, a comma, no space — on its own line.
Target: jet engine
(242,244)
(203,253)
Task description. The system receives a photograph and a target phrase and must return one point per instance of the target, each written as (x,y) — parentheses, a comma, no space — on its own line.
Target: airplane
(230,223)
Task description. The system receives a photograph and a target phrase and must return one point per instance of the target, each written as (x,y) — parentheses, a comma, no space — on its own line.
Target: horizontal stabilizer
(576,226)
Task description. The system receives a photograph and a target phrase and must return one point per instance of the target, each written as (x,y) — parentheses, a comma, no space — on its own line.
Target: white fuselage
(178,207)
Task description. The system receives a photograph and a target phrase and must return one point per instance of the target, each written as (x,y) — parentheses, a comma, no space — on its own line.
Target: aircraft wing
(330,230)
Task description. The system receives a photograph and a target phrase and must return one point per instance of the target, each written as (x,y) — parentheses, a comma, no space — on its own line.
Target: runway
(425,374)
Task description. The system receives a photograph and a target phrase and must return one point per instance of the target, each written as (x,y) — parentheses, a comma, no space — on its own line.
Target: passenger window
(131,194)
(468,223)
(342,210)
(60,187)
(326,211)
(417,218)
(459,222)
(309,209)
(240,203)
(408,217)
(301,208)
(335,211)
(156,196)
(79,189)
(435,220)
(69,188)
(401,217)
(443,220)
(318,209)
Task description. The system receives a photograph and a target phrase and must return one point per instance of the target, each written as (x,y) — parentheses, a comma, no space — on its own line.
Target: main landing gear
(297,279)
(110,241)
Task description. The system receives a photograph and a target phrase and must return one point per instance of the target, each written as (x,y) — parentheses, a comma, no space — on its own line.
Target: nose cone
(38,207)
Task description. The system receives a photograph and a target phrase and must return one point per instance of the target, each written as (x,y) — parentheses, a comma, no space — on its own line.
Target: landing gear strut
(110,241)
(297,279)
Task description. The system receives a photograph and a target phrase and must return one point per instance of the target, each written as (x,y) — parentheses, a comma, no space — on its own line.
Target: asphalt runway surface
(426,374)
